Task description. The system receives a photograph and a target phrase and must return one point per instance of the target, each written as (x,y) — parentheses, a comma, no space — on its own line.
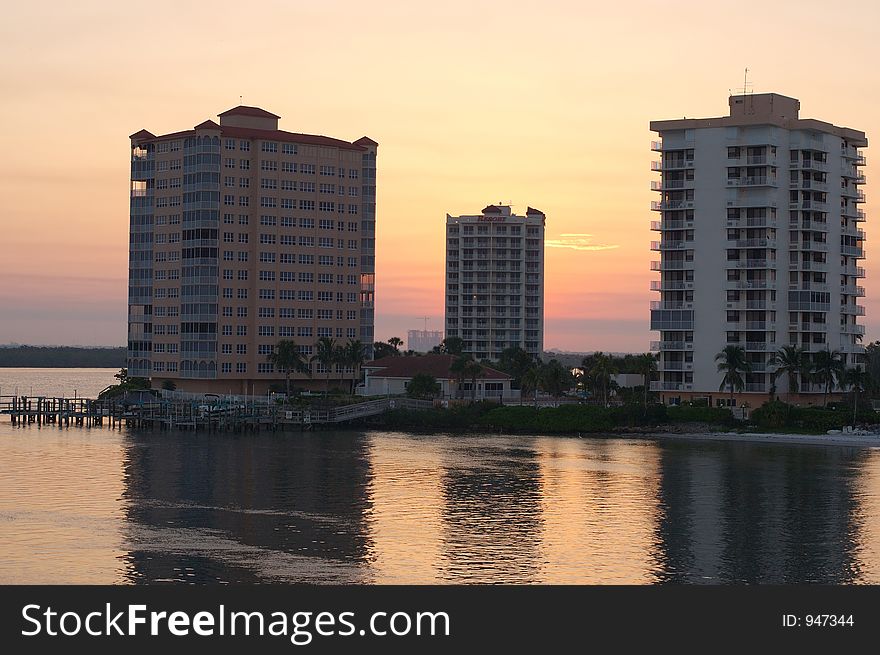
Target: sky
(533,104)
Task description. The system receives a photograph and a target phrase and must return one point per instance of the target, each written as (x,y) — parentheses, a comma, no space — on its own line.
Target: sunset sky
(544,104)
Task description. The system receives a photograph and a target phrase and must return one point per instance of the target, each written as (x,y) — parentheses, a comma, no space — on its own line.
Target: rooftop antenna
(426,321)
(240,100)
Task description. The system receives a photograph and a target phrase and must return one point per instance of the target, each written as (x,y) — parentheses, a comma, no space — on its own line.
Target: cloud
(578,242)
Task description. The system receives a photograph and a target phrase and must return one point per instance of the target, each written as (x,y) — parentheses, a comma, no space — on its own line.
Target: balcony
(671,285)
(665,304)
(819,246)
(659,385)
(853,213)
(760,346)
(751,181)
(852,251)
(756,387)
(666,224)
(852,328)
(751,284)
(809,164)
(855,348)
(659,206)
(808,185)
(668,185)
(672,319)
(850,231)
(756,243)
(675,366)
(672,265)
(808,265)
(854,271)
(751,263)
(657,146)
(671,245)
(752,305)
(797,306)
(852,310)
(860,179)
(671,345)
(852,290)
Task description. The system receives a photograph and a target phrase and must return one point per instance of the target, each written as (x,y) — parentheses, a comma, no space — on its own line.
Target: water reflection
(277,507)
(756,514)
(99,506)
(492,520)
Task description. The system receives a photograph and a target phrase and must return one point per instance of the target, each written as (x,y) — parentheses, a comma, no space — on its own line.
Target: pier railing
(192,411)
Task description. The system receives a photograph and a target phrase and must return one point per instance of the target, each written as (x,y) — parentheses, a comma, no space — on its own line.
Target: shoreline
(846,440)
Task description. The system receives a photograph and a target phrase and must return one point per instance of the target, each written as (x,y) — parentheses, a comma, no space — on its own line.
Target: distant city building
(423,341)
(495,281)
(760,242)
(242,235)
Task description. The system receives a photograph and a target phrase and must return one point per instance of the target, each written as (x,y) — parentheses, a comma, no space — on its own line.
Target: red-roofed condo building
(495,281)
(242,235)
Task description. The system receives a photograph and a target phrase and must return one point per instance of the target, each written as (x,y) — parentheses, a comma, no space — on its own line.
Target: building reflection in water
(599,503)
(749,513)
(492,522)
(246,508)
(399,508)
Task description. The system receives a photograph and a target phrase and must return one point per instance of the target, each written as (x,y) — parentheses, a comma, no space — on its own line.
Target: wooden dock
(175,413)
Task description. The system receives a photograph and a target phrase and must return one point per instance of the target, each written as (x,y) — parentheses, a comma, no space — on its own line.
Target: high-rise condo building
(422,341)
(495,281)
(243,235)
(760,242)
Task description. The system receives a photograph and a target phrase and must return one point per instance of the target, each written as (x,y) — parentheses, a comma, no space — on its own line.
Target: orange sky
(543,104)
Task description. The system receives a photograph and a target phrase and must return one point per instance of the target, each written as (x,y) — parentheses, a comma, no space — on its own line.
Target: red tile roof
(207,125)
(531,210)
(365,141)
(435,365)
(243,110)
(141,135)
(281,135)
(491,209)
(251,133)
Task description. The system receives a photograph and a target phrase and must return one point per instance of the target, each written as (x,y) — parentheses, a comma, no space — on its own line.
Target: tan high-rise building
(243,235)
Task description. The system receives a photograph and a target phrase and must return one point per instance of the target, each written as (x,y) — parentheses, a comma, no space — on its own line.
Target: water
(102,506)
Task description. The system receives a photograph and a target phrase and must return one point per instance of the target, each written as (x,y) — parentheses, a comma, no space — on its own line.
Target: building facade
(242,235)
(495,281)
(760,242)
(423,341)
(390,376)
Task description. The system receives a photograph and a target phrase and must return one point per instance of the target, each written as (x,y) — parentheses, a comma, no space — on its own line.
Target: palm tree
(646,366)
(828,369)
(354,355)
(555,378)
(790,361)
(287,357)
(473,370)
(733,363)
(531,382)
(602,370)
(466,368)
(326,354)
(855,378)
(396,343)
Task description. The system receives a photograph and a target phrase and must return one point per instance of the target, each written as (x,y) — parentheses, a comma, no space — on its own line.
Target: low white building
(390,376)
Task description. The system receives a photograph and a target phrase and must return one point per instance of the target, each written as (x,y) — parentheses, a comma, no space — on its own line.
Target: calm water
(98,506)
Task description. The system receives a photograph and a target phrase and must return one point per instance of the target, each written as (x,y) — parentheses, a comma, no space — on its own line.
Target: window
(269,146)
(288,148)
